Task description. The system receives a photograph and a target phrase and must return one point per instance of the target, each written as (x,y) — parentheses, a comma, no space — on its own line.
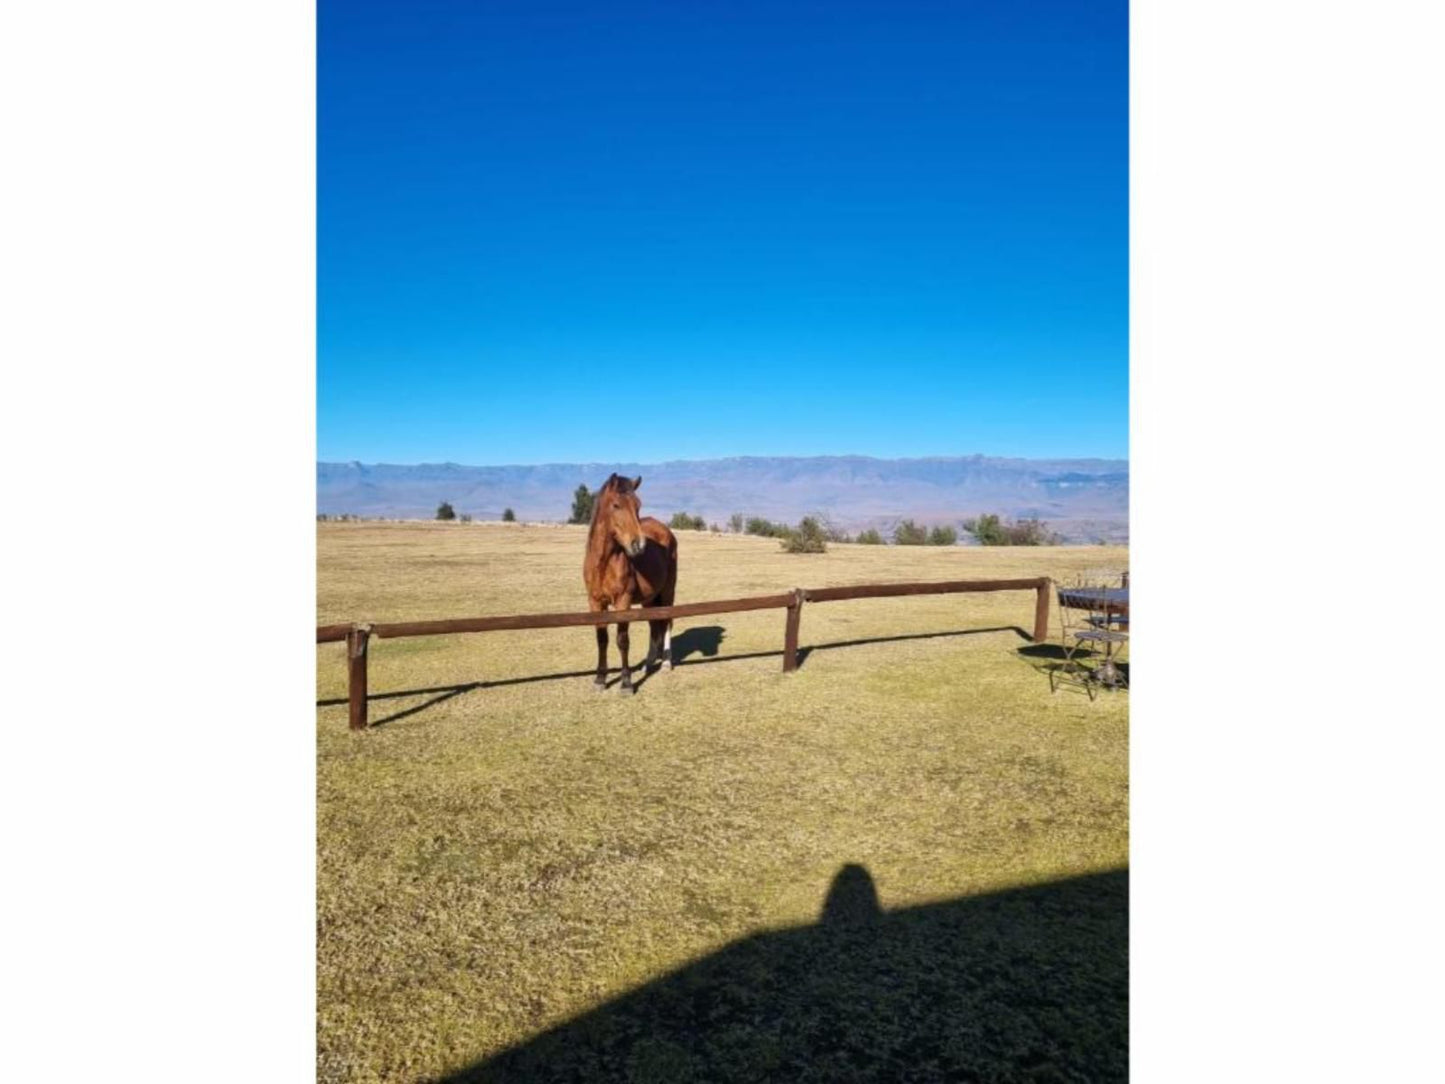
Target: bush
(681,521)
(715,529)
(1032,532)
(909,533)
(466,517)
(991,531)
(445,511)
(766,528)
(807,537)
(508,516)
(943,536)
(870,537)
(735,523)
(582,501)
(832,532)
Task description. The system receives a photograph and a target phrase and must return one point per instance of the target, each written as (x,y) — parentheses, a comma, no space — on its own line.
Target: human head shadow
(1025,984)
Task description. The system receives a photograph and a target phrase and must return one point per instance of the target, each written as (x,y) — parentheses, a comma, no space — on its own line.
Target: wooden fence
(358,635)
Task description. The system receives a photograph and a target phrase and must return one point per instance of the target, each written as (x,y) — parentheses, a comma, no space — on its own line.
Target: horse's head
(617,509)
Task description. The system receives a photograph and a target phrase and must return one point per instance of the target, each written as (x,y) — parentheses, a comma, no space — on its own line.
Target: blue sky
(588,232)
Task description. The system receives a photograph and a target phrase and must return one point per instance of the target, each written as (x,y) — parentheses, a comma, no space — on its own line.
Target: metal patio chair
(1094,621)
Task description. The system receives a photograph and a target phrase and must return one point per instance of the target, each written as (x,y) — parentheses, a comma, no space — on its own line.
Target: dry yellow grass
(495,859)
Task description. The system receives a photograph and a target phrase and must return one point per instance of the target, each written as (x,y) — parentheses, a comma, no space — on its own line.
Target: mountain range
(1084,500)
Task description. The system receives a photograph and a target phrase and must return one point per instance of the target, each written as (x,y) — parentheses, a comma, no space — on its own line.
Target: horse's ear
(637,481)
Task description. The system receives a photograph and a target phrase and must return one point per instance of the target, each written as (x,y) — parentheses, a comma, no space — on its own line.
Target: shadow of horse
(704,640)
(1029,984)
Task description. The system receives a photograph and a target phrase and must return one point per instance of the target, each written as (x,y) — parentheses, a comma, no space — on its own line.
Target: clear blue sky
(557,232)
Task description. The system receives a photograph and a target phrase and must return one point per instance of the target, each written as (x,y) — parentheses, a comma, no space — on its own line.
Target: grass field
(631,888)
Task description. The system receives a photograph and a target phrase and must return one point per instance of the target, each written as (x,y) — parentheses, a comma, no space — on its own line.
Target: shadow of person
(1029,984)
(853,897)
(702,640)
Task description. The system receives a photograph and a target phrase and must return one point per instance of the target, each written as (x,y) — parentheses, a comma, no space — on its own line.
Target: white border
(157,276)
(158,428)
(1286,241)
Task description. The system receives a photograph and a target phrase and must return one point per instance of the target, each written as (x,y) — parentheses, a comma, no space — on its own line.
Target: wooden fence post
(1041,611)
(356,672)
(790,640)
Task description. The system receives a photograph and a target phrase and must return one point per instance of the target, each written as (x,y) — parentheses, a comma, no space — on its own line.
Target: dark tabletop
(1095,598)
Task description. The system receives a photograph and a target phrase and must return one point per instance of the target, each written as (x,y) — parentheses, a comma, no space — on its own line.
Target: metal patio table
(1113,603)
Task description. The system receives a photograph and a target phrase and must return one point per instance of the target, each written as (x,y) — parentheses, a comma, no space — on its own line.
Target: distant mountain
(1085,500)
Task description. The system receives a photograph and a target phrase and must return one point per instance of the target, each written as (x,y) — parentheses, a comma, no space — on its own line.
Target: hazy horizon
(1087,498)
(663,461)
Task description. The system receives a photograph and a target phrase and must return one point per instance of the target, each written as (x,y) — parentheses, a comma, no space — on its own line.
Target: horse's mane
(614,484)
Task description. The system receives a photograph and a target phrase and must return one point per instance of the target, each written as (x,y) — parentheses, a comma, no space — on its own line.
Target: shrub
(445,511)
(908,533)
(735,523)
(715,529)
(870,537)
(807,537)
(466,517)
(1032,532)
(766,528)
(991,531)
(832,532)
(582,505)
(681,521)
(943,536)
(508,516)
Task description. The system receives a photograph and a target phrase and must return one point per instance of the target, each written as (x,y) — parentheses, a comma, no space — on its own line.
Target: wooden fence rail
(357,635)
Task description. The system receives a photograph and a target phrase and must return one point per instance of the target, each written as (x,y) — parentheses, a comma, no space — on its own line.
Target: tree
(766,528)
(942,536)
(508,516)
(681,521)
(987,529)
(466,517)
(831,531)
(807,537)
(582,505)
(908,533)
(735,523)
(991,531)
(445,511)
(870,537)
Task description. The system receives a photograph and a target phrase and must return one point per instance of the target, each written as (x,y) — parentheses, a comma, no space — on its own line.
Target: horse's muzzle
(635,548)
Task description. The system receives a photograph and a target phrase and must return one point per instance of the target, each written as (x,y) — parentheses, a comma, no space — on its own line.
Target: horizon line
(727,458)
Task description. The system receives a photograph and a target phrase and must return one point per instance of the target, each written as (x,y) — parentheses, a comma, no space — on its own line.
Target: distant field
(645,875)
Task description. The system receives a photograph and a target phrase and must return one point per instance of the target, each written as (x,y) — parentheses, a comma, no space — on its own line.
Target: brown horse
(629,560)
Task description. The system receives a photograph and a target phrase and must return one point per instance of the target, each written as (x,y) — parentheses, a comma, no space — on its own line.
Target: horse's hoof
(667,666)
(599,686)
(627,690)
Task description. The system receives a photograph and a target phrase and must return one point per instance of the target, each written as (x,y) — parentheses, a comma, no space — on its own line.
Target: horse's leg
(667,599)
(622,645)
(600,681)
(654,643)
